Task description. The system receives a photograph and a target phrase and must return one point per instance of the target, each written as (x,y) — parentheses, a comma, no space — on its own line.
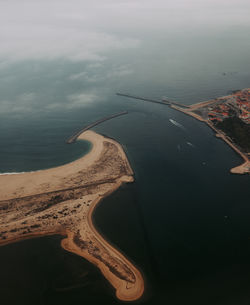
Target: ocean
(185,220)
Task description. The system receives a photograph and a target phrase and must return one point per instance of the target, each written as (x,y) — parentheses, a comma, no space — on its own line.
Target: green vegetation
(237,130)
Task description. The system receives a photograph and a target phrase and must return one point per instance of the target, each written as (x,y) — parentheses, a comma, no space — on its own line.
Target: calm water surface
(185,220)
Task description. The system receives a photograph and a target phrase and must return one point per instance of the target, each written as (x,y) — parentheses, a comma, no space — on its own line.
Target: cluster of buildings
(243,102)
(237,104)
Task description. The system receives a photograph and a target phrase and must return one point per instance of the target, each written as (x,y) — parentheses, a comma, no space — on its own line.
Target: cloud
(23,103)
(95,65)
(48,43)
(115,72)
(84,30)
(90,30)
(120,71)
(81,100)
(28,102)
(33,30)
(81,75)
(86,77)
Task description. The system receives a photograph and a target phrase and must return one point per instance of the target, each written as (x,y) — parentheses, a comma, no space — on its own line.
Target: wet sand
(61,200)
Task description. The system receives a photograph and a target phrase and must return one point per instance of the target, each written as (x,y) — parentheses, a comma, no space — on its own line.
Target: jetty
(175,103)
(74,137)
(165,102)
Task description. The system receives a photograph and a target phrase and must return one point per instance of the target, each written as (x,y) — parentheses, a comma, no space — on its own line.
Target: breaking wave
(16,173)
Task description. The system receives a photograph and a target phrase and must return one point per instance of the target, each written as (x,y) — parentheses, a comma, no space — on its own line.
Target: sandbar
(61,200)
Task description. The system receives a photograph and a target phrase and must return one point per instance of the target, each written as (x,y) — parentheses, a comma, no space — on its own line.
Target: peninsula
(229,117)
(61,200)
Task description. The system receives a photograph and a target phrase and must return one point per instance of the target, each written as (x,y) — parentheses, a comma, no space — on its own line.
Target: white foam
(177,124)
(17,173)
(190,144)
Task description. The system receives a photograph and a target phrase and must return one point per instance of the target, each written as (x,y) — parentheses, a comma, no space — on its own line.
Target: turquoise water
(185,220)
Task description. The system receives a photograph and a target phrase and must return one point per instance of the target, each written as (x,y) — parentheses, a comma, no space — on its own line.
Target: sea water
(185,220)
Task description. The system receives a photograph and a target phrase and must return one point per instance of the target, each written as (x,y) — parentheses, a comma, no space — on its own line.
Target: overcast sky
(87,30)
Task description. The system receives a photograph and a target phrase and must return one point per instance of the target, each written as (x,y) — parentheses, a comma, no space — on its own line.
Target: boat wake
(190,144)
(177,124)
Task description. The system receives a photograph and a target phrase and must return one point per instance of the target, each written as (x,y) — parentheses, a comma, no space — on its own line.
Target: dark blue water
(37,145)
(193,213)
(185,220)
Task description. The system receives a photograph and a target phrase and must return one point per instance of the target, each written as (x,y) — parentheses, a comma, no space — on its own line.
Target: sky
(83,30)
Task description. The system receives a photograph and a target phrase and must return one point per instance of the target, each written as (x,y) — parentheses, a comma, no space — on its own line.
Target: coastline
(61,201)
(125,291)
(136,290)
(243,168)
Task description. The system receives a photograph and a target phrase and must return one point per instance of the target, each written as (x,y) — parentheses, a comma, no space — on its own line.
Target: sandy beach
(61,200)
(27,184)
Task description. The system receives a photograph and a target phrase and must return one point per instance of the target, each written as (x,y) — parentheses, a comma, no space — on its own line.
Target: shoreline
(139,289)
(53,167)
(123,292)
(32,208)
(243,168)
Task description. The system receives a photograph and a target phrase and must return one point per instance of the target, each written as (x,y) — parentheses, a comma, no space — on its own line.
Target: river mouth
(194,240)
(185,220)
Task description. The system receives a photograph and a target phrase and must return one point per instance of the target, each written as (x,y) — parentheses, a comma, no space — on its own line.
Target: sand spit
(61,200)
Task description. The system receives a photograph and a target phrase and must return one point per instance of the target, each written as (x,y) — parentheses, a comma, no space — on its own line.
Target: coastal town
(229,117)
(235,105)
